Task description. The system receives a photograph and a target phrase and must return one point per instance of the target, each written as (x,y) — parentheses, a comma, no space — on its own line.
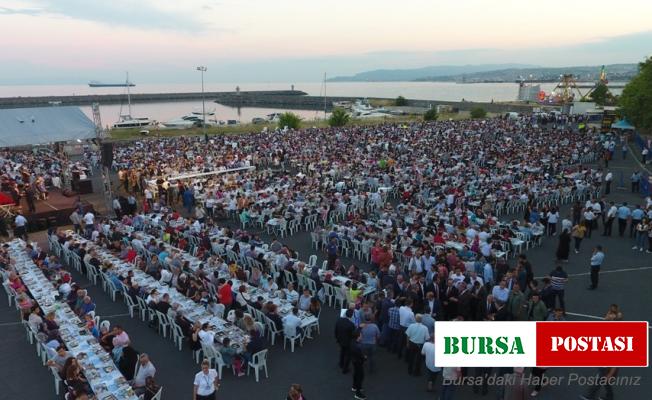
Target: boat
(126,120)
(362,109)
(342,104)
(192,120)
(100,84)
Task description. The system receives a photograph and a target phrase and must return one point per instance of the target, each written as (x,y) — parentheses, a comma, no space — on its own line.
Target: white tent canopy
(39,125)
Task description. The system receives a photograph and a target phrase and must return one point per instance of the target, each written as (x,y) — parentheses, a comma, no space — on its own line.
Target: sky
(162,41)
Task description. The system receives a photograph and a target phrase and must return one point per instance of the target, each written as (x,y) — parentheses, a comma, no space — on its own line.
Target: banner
(541,344)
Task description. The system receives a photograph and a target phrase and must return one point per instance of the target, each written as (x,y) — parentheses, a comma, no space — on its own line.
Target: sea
(164,111)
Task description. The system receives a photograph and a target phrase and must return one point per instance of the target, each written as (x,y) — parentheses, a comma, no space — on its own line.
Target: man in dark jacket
(344,329)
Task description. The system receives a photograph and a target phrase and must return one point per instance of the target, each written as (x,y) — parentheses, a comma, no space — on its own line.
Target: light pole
(202,69)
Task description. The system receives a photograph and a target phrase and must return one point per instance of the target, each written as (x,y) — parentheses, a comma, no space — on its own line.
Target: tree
(431,115)
(291,120)
(636,100)
(478,112)
(600,94)
(338,117)
(401,101)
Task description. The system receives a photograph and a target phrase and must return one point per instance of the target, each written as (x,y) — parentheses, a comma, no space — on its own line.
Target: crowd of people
(423,207)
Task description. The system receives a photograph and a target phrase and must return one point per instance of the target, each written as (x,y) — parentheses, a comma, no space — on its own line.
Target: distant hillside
(615,72)
(425,73)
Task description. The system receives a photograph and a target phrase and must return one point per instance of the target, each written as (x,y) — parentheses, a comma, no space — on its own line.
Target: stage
(54,211)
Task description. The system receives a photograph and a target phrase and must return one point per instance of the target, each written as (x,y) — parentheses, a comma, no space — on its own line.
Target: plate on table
(109,396)
(121,380)
(108,369)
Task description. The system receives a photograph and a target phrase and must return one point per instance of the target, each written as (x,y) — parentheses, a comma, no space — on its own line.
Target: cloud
(140,14)
(20,11)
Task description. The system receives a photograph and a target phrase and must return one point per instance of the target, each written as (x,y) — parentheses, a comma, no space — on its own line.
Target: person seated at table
(59,359)
(304,300)
(291,295)
(154,268)
(205,334)
(152,298)
(353,272)
(16,283)
(146,370)
(225,293)
(90,325)
(269,286)
(183,284)
(259,303)
(34,319)
(292,324)
(256,344)
(272,313)
(229,354)
(255,277)
(75,378)
(354,293)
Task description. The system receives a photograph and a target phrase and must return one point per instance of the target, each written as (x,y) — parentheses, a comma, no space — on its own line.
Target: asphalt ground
(625,280)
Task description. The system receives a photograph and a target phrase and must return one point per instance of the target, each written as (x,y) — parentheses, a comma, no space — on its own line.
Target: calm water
(165,111)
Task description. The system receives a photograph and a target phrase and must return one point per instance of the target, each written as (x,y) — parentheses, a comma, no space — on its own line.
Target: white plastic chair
(57,379)
(292,338)
(177,334)
(258,362)
(105,324)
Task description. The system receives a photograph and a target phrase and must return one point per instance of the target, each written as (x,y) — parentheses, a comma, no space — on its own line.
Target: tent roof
(38,125)
(622,124)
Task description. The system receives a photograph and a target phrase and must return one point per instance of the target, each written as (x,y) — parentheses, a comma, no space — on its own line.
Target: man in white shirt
(292,324)
(206,383)
(89,220)
(291,295)
(145,370)
(607,182)
(21,226)
(428,350)
(417,334)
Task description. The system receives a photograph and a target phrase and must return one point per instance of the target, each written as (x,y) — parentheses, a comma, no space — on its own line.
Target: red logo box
(592,344)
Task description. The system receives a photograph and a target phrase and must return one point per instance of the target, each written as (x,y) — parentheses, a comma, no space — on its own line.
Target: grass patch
(134,133)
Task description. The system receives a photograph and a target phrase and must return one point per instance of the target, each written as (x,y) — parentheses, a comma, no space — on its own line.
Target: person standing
(417,334)
(637,215)
(553,217)
(642,228)
(563,249)
(344,329)
(206,383)
(30,197)
(358,359)
(578,233)
(589,217)
(611,215)
(331,250)
(558,279)
(636,181)
(607,182)
(21,226)
(596,262)
(428,351)
(369,335)
(623,215)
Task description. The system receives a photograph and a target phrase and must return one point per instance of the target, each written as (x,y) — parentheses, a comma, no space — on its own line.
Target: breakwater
(302,102)
(85,100)
(287,99)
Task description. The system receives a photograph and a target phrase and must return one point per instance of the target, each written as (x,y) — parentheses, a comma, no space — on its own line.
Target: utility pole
(203,69)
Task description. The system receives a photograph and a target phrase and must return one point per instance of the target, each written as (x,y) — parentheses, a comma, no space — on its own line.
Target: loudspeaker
(107,154)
